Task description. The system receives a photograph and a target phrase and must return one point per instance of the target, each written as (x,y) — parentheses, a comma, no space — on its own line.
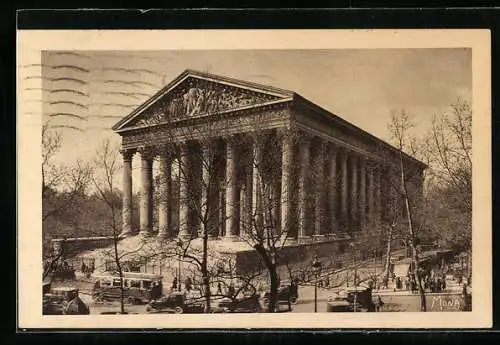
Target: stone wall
(295,260)
(69,247)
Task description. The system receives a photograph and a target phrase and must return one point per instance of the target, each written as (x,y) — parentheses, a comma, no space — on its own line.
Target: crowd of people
(87,270)
(60,269)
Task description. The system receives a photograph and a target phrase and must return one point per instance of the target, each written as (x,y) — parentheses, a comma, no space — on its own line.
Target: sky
(85,93)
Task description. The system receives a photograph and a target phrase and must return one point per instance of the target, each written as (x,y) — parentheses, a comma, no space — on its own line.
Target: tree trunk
(119,268)
(412,236)
(388,251)
(204,271)
(273,293)
(273,276)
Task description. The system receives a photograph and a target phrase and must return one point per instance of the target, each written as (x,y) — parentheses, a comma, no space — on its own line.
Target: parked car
(64,301)
(362,295)
(221,305)
(341,304)
(287,294)
(177,303)
(246,304)
(358,299)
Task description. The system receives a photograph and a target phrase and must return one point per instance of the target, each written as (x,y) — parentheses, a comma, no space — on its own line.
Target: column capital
(146,152)
(304,138)
(164,150)
(286,133)
(127,153)
(333,149)
(354,158)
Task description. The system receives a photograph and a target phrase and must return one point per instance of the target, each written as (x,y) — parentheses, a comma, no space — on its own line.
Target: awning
(401,270)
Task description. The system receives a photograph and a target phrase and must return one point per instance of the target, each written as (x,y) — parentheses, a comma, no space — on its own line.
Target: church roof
(243,94)
(272,93)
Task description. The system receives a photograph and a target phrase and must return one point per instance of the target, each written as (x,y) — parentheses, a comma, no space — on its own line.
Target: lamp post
(316,265)
(179,244)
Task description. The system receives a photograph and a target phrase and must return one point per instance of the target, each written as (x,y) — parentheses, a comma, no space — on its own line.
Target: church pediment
(196,94)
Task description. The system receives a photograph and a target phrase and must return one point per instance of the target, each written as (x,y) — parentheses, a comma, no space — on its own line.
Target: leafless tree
(68,181)
(107,164)
(62,186)
(449,145)
(399,127)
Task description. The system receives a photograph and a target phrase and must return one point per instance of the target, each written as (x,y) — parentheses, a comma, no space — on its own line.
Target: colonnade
(302,187)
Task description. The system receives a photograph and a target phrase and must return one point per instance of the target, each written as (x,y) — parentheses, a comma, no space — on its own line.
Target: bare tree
(399,127)
(449,145)
(67,182)
(107,165)
(62,188)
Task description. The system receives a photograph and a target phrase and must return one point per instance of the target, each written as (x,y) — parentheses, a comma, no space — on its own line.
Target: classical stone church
(327,176)
(245,162)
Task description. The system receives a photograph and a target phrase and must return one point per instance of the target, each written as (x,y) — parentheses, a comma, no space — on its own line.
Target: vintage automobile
(64,301)
(362,295)
(340,304)
(176,302)
(286,294)
(137,287)
(352,300)
(246,304)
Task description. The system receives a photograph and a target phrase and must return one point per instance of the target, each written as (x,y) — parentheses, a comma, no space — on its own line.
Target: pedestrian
(230,290)
(378,303)
(188,283)
(219,288)
(386,282)
(174,283)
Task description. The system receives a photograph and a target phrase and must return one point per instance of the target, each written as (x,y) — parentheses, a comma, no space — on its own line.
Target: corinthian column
(127,192)
(232,197)
(377,208)
(165,198)
(344,192)
(286,165)
(354,221)
(184,201)
(304,156)
(208,188)
(319,174)
(257,188)
(362,192)
(332,189)
(371,195)
(146,210)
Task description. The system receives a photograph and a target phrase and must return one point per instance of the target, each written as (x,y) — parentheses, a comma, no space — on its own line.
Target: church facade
(244,161)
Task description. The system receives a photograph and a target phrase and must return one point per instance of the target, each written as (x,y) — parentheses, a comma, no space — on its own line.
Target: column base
(162,234)
(184,236)
(126,234)
(318,238)
(332,236)
(231,238)
(290,241)
(146,233)
(304,239)
(345,235)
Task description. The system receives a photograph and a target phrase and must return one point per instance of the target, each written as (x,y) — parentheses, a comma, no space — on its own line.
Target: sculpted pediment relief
(194,97)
